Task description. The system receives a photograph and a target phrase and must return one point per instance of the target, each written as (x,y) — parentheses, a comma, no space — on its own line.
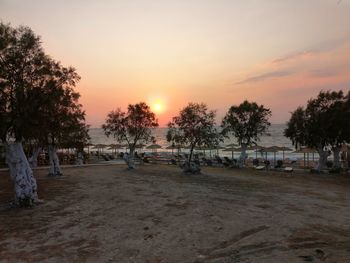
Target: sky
(168,53)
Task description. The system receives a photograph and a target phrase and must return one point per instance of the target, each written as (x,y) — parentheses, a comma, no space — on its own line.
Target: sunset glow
(157,107)
(277,53)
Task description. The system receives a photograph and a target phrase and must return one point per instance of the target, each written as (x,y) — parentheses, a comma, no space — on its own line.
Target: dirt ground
(156,214)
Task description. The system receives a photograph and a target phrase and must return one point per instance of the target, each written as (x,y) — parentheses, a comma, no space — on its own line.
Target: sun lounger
(260,167)
(146,159)
(288,169)
(207,161)
(228,161)
(219,160)
(105,157)
(197,162)
(173,161)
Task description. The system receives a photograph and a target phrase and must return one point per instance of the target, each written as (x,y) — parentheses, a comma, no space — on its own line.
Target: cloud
(323,73)
(268,75)
(294,56)
(322,47)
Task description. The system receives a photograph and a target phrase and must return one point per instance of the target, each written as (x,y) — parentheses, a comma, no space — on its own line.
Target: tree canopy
(22,73)
(132,127)
(60,113)
(246,122)
(38,103)
(322,124)
(194,126)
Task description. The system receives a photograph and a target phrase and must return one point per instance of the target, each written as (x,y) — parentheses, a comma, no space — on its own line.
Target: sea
(273,137)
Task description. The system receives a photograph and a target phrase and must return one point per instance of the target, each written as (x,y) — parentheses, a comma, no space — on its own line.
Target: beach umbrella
(271,149)
(217,148)
(88,146)
(306,151)
(201,148)
(233,150)
(206,148)
(255,148)
(100,147)
(125,146)
(283,149)
(274,150)
(154,147)
(115,147)
(231,145)
(187,147)
(137,146)
(140,146)
(173,147)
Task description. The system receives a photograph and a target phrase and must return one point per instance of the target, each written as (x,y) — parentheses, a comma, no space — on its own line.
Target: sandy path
(156,214)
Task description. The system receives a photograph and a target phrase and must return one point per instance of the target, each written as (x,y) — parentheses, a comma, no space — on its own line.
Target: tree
(132,127)
(21,62)
(60,115)
(339,118)
(305,131)
(37,100)
(296,128)
(321,125)
(194,126)
(246,122)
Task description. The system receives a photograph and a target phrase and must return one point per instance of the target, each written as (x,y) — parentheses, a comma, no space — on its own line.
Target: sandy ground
(157,214)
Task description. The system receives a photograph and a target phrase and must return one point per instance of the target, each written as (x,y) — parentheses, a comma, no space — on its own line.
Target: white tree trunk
(243,156)
(33,160)
(322,159)
(55,169)
(80,159)
(22,175)
(129,159)
(336,157)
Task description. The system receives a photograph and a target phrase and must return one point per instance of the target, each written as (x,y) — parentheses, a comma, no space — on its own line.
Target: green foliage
(133,127)
(60,113)
(22,63)
(194,126)
(246,122)
(38,101)
(296,128)
(324,121)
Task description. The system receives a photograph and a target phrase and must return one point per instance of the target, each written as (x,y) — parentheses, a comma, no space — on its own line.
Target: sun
(158,107)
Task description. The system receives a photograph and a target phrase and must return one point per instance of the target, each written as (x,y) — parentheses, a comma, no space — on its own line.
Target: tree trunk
(191,153)
(21,174)
(322,159)
(336,157)
(55,169)
(33,160)
(129,158)
(189,166)
(243,156)
(80,158)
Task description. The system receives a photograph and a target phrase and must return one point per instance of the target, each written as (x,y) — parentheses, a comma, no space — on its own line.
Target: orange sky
(278,53)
